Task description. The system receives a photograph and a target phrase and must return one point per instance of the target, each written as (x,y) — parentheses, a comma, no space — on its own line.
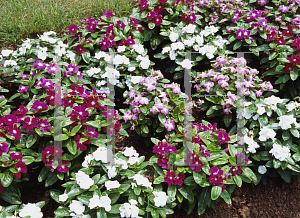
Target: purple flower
(283,8)
(263,23)
(79,112)
(127,116)
(45,127)
(73,29)
(91,132)
(235,17)
(39,65)
(223,83)
(37,105)
(262,2)
(240,34)
(10,120)
(170,125)
(3,147)
(48,84)
(53,68)
(28,125)
(14,131)
(223,136)
(160,147)
(24,76)
(258,93)
(121,24)
(108,14)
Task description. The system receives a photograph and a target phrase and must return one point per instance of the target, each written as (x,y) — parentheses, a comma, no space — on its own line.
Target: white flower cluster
(293,106)
(280,152)
(129,209)
(112,184)
(112,75)
(132,154)
(103,201)
(78,208)
(252,145)
(45,37)
(140,180)
(120,59)
(144,61)
(31,210)
(266,133)
(93,71)
(160,198)
(83,180)
(102,54)
(286,121)
(60,49)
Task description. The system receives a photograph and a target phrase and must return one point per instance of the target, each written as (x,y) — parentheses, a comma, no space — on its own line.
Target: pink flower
(63,168)
(37,105)
(262,2)
(16,156)
(73,29)
(91,132)
(283,8)
(39,65)
(21,167)
(108,14)
(3,147)
(53,68)
(48,84)
(170,125)
(280,41)
(14,131)
(23,88)
(235,17)
(258,93)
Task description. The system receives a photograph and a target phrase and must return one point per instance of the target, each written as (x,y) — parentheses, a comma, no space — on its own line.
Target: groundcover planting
(209,89)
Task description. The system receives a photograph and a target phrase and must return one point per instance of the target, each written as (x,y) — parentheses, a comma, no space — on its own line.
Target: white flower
(177,45)
(112,184)
(166,50)
(189,28)
(129,152)
(70,55)
(100,83)
(129,209)
(123,163)
(87,161)
(141,180)
(286,121)
(120,59)
(207,49)
(121,48)
(160,199)
(173,36)
(100,154)
(93,70)
(199,40)
(209,30)
(111,171)
(101,54)
(63,197)
(83,180)
(130,69)
(106,203)
(173,55)
(60,51)
(31,210)
(272,102)
(252,145)
(6,53)
(261,109)
(42,53)
(189,42)
(187,64)
(94,202)
(10,63)
(280,153)
(262,169)
(136,79)
(77,207)
(138,48)
(49,33)
(133,160)
(145,63)
(209,55)
(266,133)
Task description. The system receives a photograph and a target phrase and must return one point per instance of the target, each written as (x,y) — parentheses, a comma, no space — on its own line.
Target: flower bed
(66,120)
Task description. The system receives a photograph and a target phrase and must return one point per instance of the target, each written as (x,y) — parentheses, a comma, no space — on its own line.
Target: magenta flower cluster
(48,156)
(163,149)
(216,177)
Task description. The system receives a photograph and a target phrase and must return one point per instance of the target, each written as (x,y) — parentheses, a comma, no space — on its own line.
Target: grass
(26,18)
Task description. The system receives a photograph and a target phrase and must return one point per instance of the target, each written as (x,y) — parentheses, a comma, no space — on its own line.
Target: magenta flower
(21,166)
(43,125)
(170,125)
(258,93)
(23,88)
(108,14)
(163,161)
(283,8)
(10,120)
(81,145)
(37,105)
(48,84)
(151,15)
(79,49)
(28,125)
(16,156)
(121,24)
(263,23)
(48,152)
(235,17)
(280,41)
(91,132)
(294,60)
(157,20)
(73,29)
(240,33)
(3,148)
(171,178)
(160,147)
(39,65)
(79,112)
(53,68)
(223,136)
(288,32)
(14,131)
(192,17)
(63,168)
(262,2)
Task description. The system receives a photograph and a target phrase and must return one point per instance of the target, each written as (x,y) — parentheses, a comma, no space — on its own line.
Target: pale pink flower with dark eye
(263,85)
(269,86)
(283,8)
(227,110)
(258,93)
(136,110)
(164,110)
(135,116)
(262,2)
(208,85)
(154,109)
(223,83)
(170,125)
(144,100)
(127,116)
(165,99)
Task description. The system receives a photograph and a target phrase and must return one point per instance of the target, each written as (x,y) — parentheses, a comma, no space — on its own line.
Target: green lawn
(21,19)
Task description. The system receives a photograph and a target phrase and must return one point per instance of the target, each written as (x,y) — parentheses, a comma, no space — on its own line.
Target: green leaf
(237,45)
(43,174)
(75,130)
(75,192)
(215,192)
(55,195)
(295,132)
(294,73)
(66,122)
(7,178)
(158,169)
(145,128)
(225,195)
(238,180)
(52,178)
(95,124)
(186,193)
(28,159)
(155,141)
(72,147)
(159,179)
(10,195)
(61,212)
(151,25)
(172,189)
(227,119)
(162,118)
(273,55)
(285,175)
(86,56)
(203,200)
